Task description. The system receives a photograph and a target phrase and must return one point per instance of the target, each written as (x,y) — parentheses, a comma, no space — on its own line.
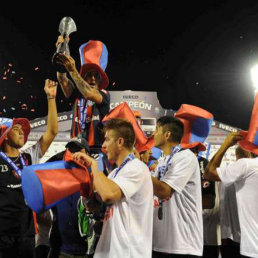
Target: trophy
(66,27)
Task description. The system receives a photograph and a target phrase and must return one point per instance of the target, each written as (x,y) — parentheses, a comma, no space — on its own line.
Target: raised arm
(52,124)
(66,84)
(85,89)
(211,173)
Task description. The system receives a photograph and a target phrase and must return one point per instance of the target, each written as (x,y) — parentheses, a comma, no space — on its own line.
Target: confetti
(4,97)
(114,83)
(24,106)
(32,110)
(12,108)
(4,78)
(10,65)
(36,68)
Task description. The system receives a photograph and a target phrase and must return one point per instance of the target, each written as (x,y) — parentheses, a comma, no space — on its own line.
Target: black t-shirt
(208,187)
(16,218)
(95,114)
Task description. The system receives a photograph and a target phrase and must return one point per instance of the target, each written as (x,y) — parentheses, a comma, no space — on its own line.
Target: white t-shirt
(127,227)
(230,227)
(35,152)
(181,229)
(244,175)
(211,223)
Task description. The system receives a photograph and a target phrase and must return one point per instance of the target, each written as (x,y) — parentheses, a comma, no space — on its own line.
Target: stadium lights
(254,76)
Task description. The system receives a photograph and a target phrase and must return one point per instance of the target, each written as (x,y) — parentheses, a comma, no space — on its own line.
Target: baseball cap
(77,143)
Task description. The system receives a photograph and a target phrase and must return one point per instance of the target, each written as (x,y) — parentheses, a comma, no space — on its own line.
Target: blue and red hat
(6,125)
(197,124)
(94,55)
(44,185)
(250,141)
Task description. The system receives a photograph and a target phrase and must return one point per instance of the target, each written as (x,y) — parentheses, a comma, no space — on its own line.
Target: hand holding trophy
(66,27)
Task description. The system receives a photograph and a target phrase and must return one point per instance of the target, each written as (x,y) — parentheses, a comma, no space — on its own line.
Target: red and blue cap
(250,141)
(197,124)
(94,55)
(6,125)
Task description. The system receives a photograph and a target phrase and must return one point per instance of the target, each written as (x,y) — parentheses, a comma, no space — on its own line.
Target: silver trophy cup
(66,27)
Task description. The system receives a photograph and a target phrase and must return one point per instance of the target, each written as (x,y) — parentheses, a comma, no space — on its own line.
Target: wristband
(50,97)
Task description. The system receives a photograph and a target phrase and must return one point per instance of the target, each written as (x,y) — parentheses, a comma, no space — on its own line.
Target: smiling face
(93,78)
(15,137)
(111,145)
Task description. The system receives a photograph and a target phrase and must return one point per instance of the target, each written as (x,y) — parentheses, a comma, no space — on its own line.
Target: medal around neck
(66,27)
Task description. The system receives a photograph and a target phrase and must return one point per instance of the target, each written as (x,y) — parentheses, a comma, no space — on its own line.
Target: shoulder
(136,167)
(185,155)
(136,163)
(240,163)
(56,157)
(247,164)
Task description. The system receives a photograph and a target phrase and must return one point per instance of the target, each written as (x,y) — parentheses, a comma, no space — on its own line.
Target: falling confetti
(10,65)
(114,83)
(4,97)
(32,110)
(12,108)
(4,78)
(24,106)
(36,68)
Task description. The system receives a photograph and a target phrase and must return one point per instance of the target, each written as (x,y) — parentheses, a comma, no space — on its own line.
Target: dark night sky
(199,54)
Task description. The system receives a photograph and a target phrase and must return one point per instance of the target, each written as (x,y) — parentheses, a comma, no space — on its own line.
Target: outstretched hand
(50,88)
